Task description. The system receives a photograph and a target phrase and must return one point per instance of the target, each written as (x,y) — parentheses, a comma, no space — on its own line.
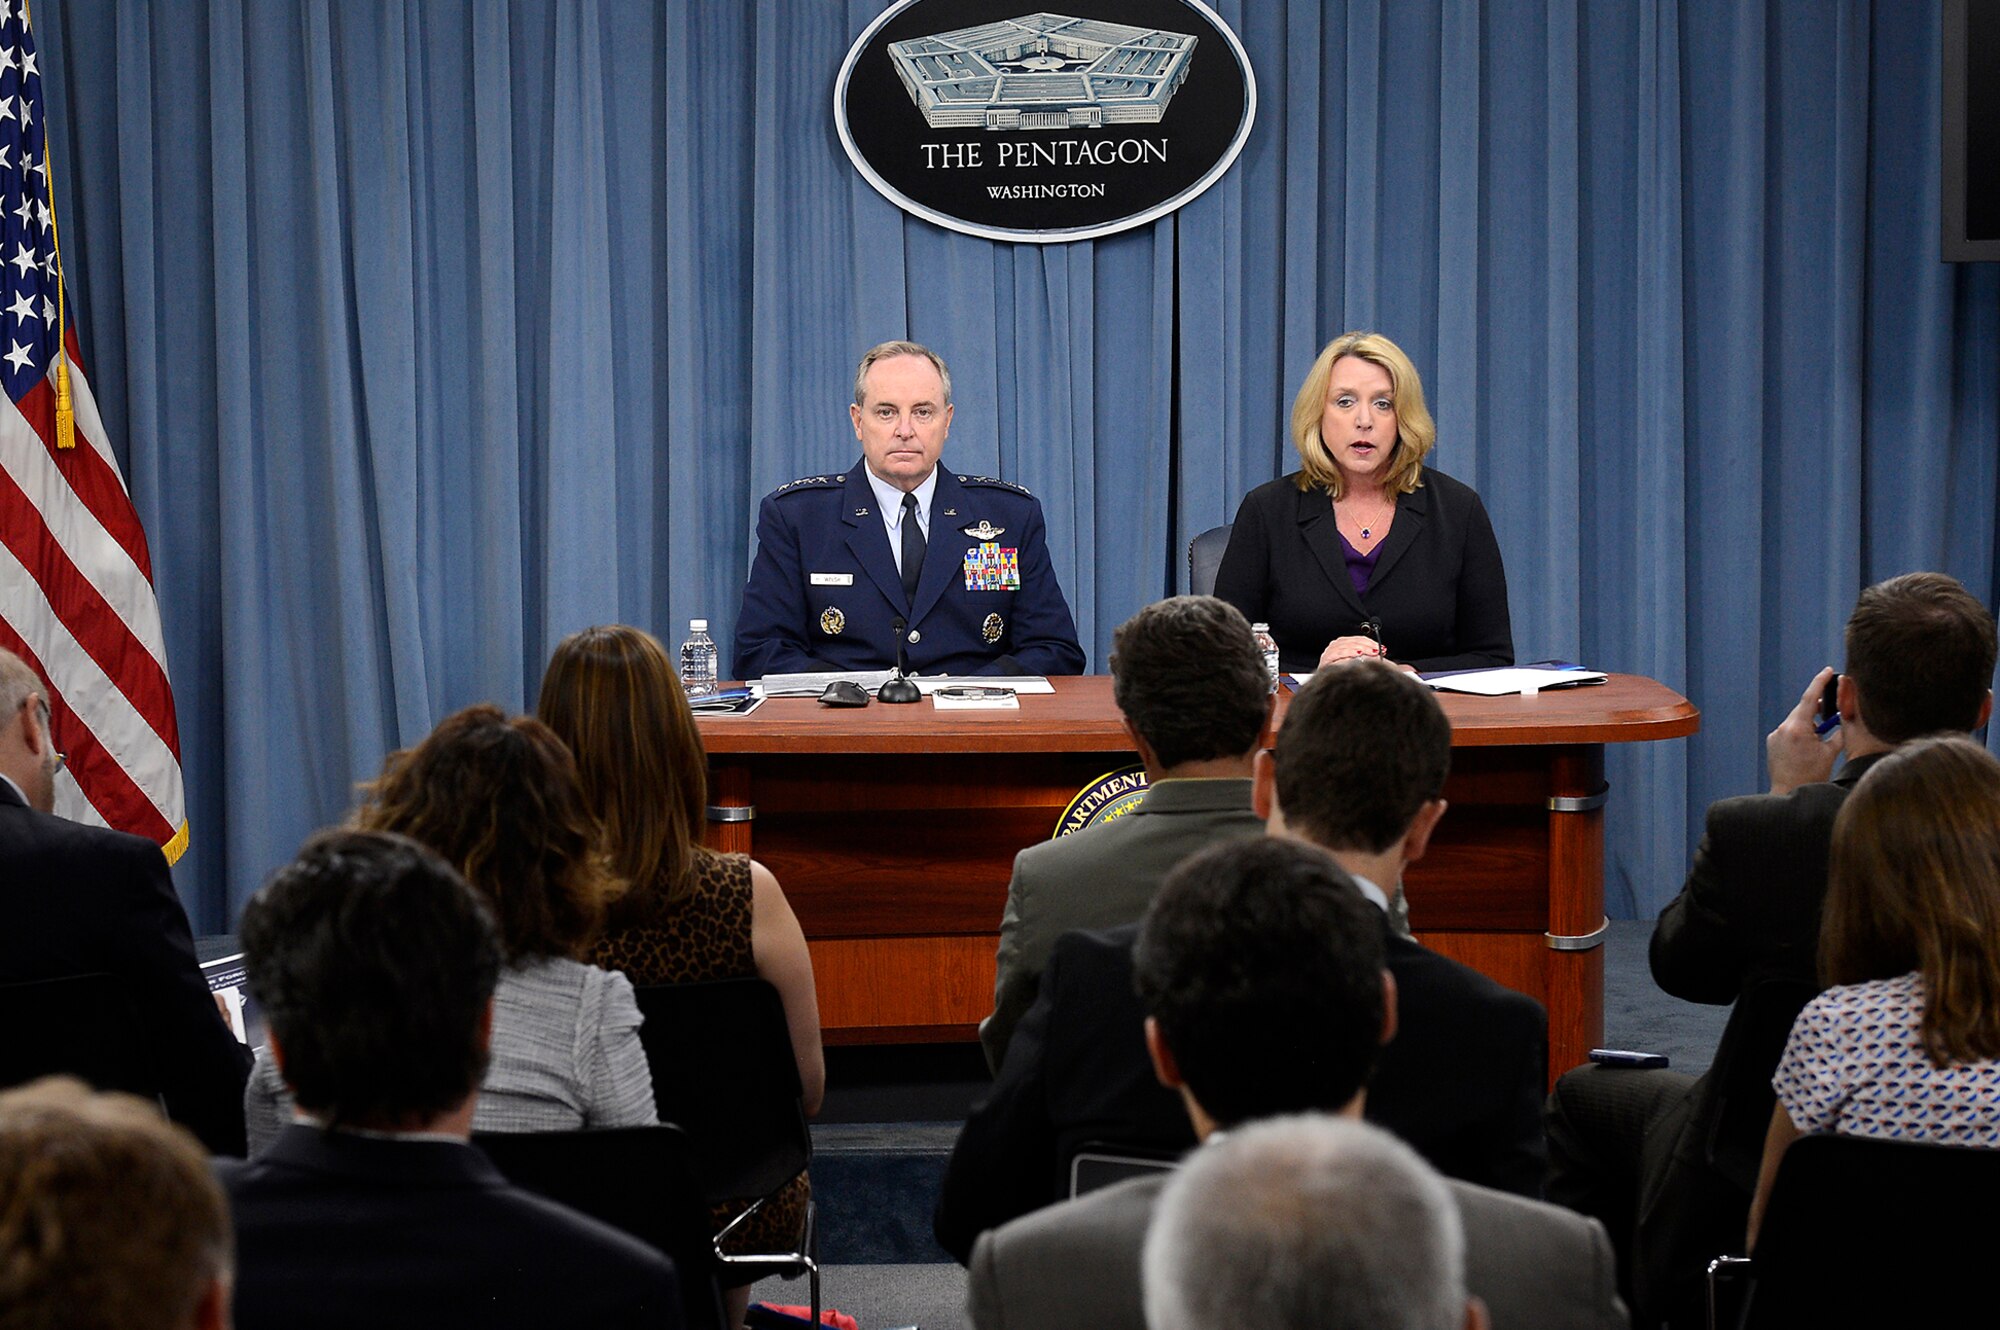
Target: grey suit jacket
(1101,878)
(1075,1266)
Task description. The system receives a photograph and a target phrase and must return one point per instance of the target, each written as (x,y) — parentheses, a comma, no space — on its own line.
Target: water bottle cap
(698,625)
(1260,627)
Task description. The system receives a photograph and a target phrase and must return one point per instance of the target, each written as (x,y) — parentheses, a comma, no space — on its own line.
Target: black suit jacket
(1748,914)
(76,899)
(338,1230)
(1439,590)
(1462,1082)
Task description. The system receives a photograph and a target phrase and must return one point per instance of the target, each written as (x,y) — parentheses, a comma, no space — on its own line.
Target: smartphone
(1827,718)
(1620,1057)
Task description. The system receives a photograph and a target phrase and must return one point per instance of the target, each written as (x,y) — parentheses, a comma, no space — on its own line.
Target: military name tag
(990,568)
(832,579)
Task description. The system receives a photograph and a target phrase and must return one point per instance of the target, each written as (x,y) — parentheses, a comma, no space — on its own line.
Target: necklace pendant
(1367,532)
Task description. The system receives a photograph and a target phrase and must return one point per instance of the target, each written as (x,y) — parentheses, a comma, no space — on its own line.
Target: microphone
(898,688)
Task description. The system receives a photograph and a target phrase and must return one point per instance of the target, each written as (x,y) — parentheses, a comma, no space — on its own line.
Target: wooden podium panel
(893,831)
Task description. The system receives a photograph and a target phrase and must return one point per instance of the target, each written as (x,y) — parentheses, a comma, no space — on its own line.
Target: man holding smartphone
(1668,1161)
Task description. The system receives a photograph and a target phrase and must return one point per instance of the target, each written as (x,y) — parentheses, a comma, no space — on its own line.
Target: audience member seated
(109,1217)
(1359,770)
(1362,759)
(377,970)
(690,914)
(1308,1223)
(1267,989)
(85,900)
(499,800)
(1191,686)
(1906,1044)
(1076,1074)
(1653,1153)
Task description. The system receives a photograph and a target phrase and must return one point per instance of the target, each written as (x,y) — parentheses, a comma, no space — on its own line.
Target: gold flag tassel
(65,403)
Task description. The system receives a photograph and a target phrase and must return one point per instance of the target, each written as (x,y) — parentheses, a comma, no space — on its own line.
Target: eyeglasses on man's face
(62,759)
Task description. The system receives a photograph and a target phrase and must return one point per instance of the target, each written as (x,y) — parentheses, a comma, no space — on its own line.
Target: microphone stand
(897,687)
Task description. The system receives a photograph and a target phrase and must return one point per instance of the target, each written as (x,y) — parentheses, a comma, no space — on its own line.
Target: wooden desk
(894,829)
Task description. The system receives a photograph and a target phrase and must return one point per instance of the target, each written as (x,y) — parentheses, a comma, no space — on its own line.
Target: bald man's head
(27,753)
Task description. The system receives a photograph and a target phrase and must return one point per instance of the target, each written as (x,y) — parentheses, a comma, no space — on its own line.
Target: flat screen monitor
(1971,123)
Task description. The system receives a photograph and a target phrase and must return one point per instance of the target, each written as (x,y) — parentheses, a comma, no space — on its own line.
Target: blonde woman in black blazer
(1363,507)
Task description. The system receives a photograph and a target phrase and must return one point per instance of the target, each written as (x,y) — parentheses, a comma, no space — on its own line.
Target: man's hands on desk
(1795,754)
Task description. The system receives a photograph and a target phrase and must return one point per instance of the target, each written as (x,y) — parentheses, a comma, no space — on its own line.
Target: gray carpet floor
(877,1180)
(1638,1015)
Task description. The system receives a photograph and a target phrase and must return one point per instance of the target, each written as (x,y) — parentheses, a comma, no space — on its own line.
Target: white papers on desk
(812,685)
(1507,681)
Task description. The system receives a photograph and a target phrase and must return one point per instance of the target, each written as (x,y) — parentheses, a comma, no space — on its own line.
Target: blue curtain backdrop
(432,330)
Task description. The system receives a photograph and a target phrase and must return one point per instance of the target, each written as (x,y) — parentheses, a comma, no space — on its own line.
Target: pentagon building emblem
(1044,126)
(1044,71)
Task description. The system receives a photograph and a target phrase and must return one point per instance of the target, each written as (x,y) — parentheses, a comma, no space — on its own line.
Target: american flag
(76,582)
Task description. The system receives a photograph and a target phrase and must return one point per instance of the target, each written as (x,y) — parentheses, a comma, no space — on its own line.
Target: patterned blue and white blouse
(1855,1065)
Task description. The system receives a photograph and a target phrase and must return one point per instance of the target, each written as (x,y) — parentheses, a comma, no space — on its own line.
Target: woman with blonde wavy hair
(1365,550)
(1906,1043)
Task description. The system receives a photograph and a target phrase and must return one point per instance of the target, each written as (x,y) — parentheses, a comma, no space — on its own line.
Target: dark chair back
(80,1025)
(723,1070)
(1871,1232)
(636,1179)
(1735,1111)
(1204,557)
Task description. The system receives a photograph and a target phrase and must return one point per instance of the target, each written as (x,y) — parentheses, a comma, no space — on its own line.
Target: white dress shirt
(890,500)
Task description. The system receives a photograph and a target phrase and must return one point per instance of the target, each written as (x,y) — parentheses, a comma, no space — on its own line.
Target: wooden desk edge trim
(1669,720)
(1666,723)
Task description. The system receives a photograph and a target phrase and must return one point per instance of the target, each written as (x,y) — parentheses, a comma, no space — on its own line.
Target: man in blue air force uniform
(962,560)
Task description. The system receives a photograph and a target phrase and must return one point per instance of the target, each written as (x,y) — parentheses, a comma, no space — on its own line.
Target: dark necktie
(913,549)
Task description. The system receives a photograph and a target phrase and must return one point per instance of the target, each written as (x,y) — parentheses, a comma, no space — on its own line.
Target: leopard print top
(705,935)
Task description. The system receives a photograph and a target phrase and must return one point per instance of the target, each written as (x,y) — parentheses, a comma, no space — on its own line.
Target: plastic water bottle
(1269,646)
(698,660)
